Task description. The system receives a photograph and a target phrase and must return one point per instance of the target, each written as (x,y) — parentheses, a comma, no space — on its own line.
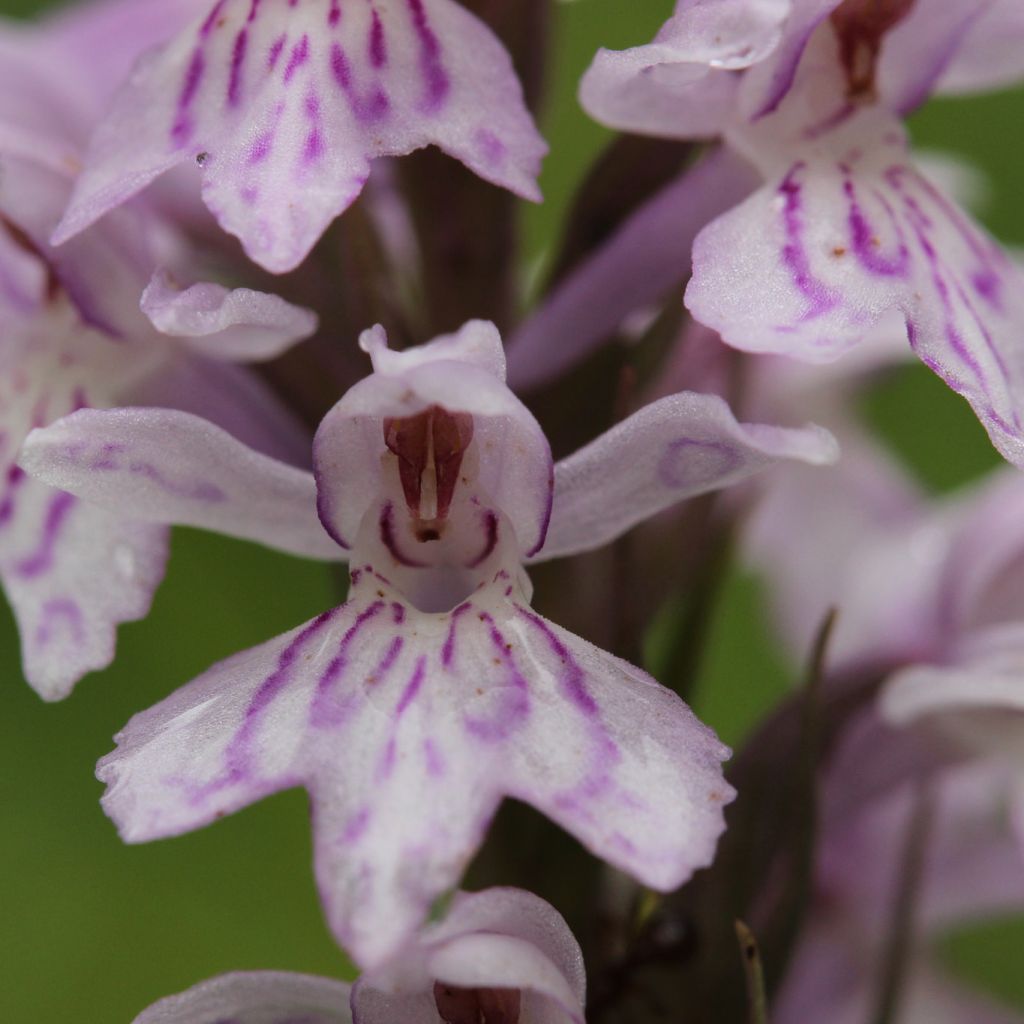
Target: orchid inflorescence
(156,374)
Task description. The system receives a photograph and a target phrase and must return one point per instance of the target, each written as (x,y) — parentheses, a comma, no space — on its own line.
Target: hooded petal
(847,232)
(242,324)
(163,466)
(682,84)
(408,729)
(255,997)
(286,105)
(672,449)
(461,373)
(497,939)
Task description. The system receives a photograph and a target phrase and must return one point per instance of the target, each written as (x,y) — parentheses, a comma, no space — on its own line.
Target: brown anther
(477,1005)
(430,447)
(861,26)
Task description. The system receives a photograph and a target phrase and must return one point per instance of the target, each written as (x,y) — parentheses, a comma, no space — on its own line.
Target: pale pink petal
(672,449)
(857,537)
(232,397)
(408,729)
(164,466)
(919,49)
(978,695)
(236,325)
(682,84)
(459,373)
(284,106)
(990,55)
(255,997)
(848,232)
(72,573)
(640,263)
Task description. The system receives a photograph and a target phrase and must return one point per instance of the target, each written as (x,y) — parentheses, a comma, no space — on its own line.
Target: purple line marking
(299,56)
(820,297)
(334,14)
(865,239)
(237,61)
(378,51)
(41,560)
(325,710)
(182,127)
(572,679)
(491,527)
(387,536)
(274,53)
(437,81)
(448,650)
(16,478)
(412,688)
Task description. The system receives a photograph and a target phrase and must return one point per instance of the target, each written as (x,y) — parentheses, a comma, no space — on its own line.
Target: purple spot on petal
(274,54)
(378,43)
(299,56)
(412,688)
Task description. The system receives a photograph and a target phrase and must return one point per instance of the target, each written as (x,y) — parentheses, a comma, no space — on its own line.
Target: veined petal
(849,231)
(408,729)
(72,573)
(164,466)
(255,997)
(675,448)
(242,324)
(286,103)
(681,84)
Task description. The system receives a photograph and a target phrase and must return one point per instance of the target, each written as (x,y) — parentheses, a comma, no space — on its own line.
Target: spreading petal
(285,105)
(255,997)
(242,324)
(989,56)
(72,573)
(408,729)
(847,232)
(163,466)
(682,84)
(675,448)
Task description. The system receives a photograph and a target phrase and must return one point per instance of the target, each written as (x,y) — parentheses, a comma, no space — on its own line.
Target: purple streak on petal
(41,560)
(211,20)
(54,610)
(820,297)
(412,688)
(182,127)
(490,147)
(387,537)
(334,14)
(261,147)
(515,705)
(299,56)
(356,826)
(438,84)
(254,8)
(274,54)
(572,680)
(865,239)
(448,650)
(491,528)
(378,43)
(237,62)
(326,711)
(339,67)
(397,613)
(16,476)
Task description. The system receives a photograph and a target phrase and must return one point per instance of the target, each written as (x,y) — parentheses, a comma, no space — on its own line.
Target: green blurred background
(91,931)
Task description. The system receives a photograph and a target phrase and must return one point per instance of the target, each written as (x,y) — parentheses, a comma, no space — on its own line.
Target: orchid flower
(845,229)
(434,691)
(502,955)
(284,103)
(74,337)
(971,868)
